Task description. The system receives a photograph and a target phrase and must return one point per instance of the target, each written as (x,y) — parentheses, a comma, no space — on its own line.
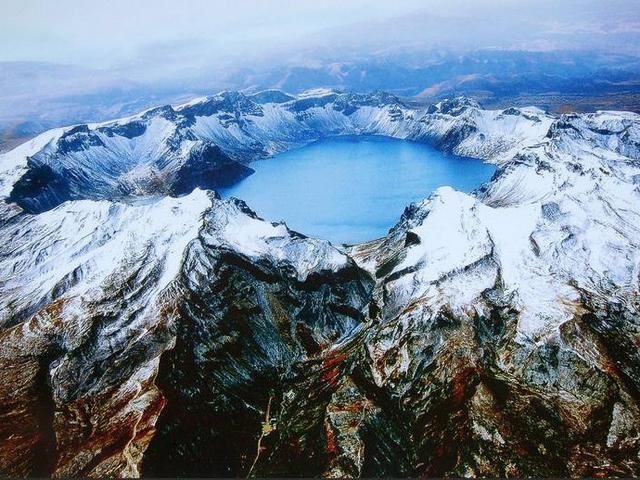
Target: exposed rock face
(83,328)
(239,300)
(250,328)
(507,322)
(495,334)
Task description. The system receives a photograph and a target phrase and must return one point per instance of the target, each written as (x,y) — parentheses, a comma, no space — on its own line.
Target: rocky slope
(509,322)
(494,334)
(95,292)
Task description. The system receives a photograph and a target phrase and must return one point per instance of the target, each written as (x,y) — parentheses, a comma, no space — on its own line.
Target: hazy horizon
(133,37)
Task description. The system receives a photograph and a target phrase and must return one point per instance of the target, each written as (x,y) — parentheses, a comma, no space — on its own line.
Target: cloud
(151,40)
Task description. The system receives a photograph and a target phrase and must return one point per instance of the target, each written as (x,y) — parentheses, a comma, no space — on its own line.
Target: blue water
(352,189)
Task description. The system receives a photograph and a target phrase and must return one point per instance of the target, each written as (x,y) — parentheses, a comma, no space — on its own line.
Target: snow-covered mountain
(143,332)
(207,143)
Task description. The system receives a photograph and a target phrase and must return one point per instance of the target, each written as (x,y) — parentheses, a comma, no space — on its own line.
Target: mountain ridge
(490,334)
(214,138)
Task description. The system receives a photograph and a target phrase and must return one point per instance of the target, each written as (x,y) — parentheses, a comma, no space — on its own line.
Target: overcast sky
(115,30)
(109,33)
